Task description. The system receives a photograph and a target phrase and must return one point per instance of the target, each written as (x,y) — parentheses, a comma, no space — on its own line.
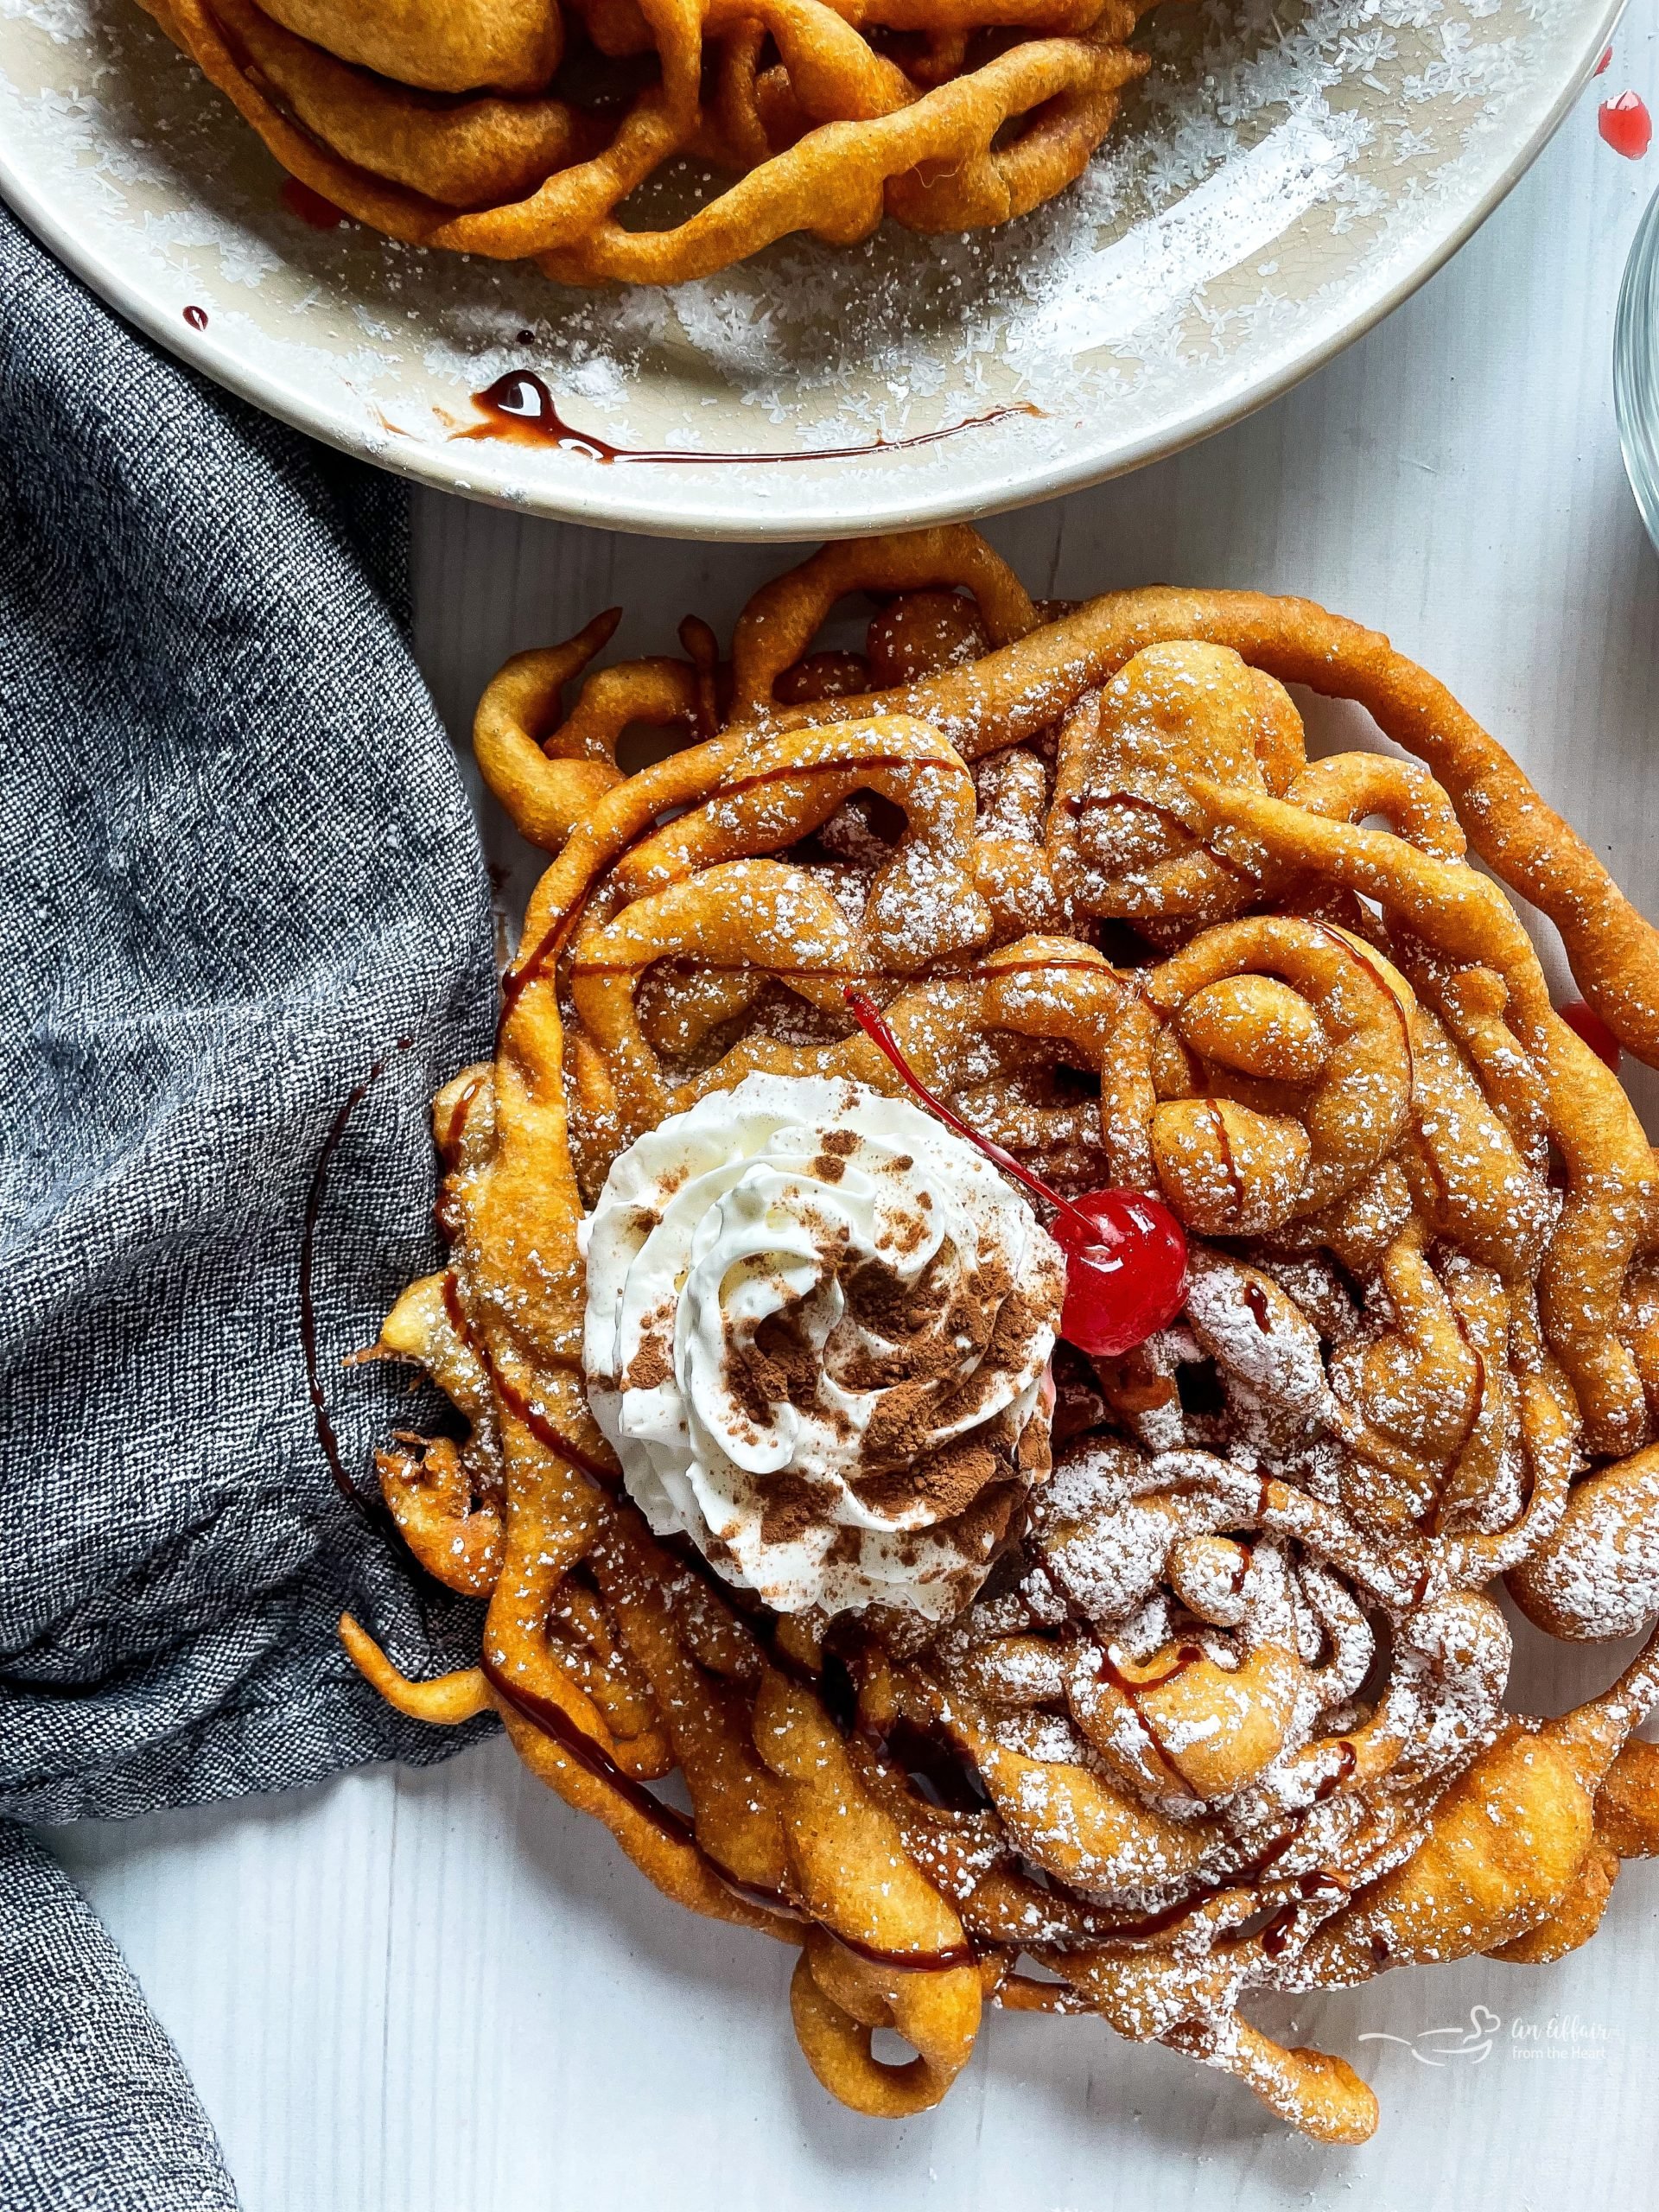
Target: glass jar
(1636,368)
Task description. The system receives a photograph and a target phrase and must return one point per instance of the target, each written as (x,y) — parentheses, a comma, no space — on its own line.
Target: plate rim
(891,508)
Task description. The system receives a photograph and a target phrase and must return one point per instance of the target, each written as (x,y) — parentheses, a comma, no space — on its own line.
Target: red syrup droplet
(1600,69)
(196,317)
(1625,124)
(1125,1253)
(310,206)
(1585,1022)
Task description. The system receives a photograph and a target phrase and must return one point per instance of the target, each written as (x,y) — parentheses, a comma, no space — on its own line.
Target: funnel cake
(1219,1706)
(455,125)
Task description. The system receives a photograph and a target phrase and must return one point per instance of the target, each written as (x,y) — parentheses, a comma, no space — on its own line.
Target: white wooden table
(443,1992)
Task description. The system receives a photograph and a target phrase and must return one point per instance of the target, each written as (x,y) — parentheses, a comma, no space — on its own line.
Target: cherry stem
(873,1022)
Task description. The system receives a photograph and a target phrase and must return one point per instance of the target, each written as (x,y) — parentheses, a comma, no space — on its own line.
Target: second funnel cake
(751,1349)
(515,129)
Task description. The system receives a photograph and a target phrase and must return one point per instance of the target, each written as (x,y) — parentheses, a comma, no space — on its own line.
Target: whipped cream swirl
(817,1332)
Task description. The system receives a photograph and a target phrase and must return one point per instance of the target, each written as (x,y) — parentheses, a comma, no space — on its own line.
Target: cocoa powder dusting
(790,1506)
(777,1367)
(651,1366)
(947,1480)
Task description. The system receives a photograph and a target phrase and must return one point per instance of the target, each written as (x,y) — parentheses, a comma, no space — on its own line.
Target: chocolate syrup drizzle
(1343,943)
(1321,1882)
(1225,1145)
(514,1399)
(1310,1885)
(1130,1690)
(328,1437)
(518,407)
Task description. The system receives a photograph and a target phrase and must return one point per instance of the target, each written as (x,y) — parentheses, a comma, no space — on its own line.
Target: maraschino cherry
(1125,1253)
(1586,1023)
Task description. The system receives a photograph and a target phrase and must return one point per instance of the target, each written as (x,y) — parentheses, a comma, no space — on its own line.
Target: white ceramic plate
(1289,172)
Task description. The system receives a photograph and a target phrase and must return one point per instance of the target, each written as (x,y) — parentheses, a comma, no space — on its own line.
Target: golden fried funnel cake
(450,123)
(1220,1705)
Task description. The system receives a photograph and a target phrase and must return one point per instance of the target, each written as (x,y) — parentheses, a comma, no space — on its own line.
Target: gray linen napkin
(237,864)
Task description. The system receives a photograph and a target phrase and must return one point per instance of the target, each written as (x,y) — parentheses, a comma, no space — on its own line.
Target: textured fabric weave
(98,2115)
(236,863)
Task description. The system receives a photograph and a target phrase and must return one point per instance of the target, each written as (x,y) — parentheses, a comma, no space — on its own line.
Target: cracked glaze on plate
(1290,171)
